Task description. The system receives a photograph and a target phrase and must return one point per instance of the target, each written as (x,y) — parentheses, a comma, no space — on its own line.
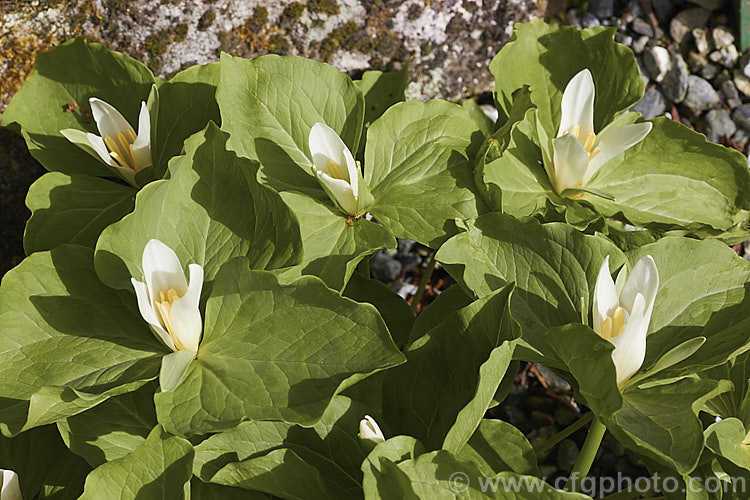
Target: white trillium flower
(335,166)
(369,429)
(166,301)
(623,318)
(119,146)
(10,489)
(578,152)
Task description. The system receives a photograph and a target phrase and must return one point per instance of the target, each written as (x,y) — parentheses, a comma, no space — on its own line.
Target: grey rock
(675,83)
(741,136)
(696,62)
(700,35)
(634,8)
(602,8)
(700,95)
(730,93)
(589,20)
(405,246)
(403,290)
(554,381)
(639,44)
(567,453)
(726,56)
(722,37)
(708,4)
(385,268)
(745,63)
(741,116)
(651,105)
(682,25)
(709,71)
(742,82)
(626,40)
(409,262)
(719,124)
(664,9)
(643,27)
(657,62)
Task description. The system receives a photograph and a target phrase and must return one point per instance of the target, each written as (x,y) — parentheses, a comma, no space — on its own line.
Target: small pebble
(709,4)
(682,25)
(590,21)
(719,124)
(642,27)
(651,105)
(742,82)
(657,62)
(700,95)
(730,93)
(741,116)
(675,83)
(601,8)
(709,71)
(639,44)
(722,37)
(700,35)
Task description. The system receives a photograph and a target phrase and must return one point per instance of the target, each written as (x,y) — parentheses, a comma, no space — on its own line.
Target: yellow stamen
(335,172)
(618,322)
(121,149)
(607,328)
(595,152)
(575,130)
(588,144)
(164,309)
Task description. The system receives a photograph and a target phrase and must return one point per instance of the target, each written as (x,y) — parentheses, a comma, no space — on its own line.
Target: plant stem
(587,455)
(554,440)
(426,275)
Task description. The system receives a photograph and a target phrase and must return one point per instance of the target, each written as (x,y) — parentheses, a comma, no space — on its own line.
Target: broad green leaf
(497,446)
(546,59)
(702,292)
(553,266)
(419,167)
(333,244)
(441,475)
(449,300)
(658,420)
(712,181)
(211,210)
(293,346)
(72,73)
(317,462)
(159,468)
(209,491)
(517,177)
(728,438)
(432,400)
(394,310)
(485,123)
(112,429)
(187,103)
(45,467)
(68,342)
(73,209)
(382,90)
(269,104)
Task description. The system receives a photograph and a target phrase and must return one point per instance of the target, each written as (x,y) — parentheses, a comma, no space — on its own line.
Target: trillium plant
(196,316)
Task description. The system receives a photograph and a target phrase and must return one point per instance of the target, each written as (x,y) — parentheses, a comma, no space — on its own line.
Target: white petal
(351,168)
(342,192)
(569,163)
(578,104)
(369,429)
(162,270)
(185,315)
(11,490)
(326,145)
(614,141)
(643,279)
(142,145)
(108,120)
(630,345)
(145,306)
(605,296)
(101,149)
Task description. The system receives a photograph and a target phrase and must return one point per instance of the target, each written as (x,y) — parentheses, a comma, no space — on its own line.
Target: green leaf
(394,310)
(287,460)
(658,420)
(112,429)
(546,59)
(553,265)
(382,90)
(333,244)
(211,210)
(68,342)
(45,467)
(713,181)
(72,73)
(449,300)
(269,104)
(294,345)
(418,165)
(485,123)
(186,104)
(727,438)
(73,209)
(432,400)
(160,468)
(497,446)
(209,491)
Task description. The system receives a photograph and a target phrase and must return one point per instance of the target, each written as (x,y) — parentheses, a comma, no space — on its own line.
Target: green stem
(587,455)
(426,275)
(569,430)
